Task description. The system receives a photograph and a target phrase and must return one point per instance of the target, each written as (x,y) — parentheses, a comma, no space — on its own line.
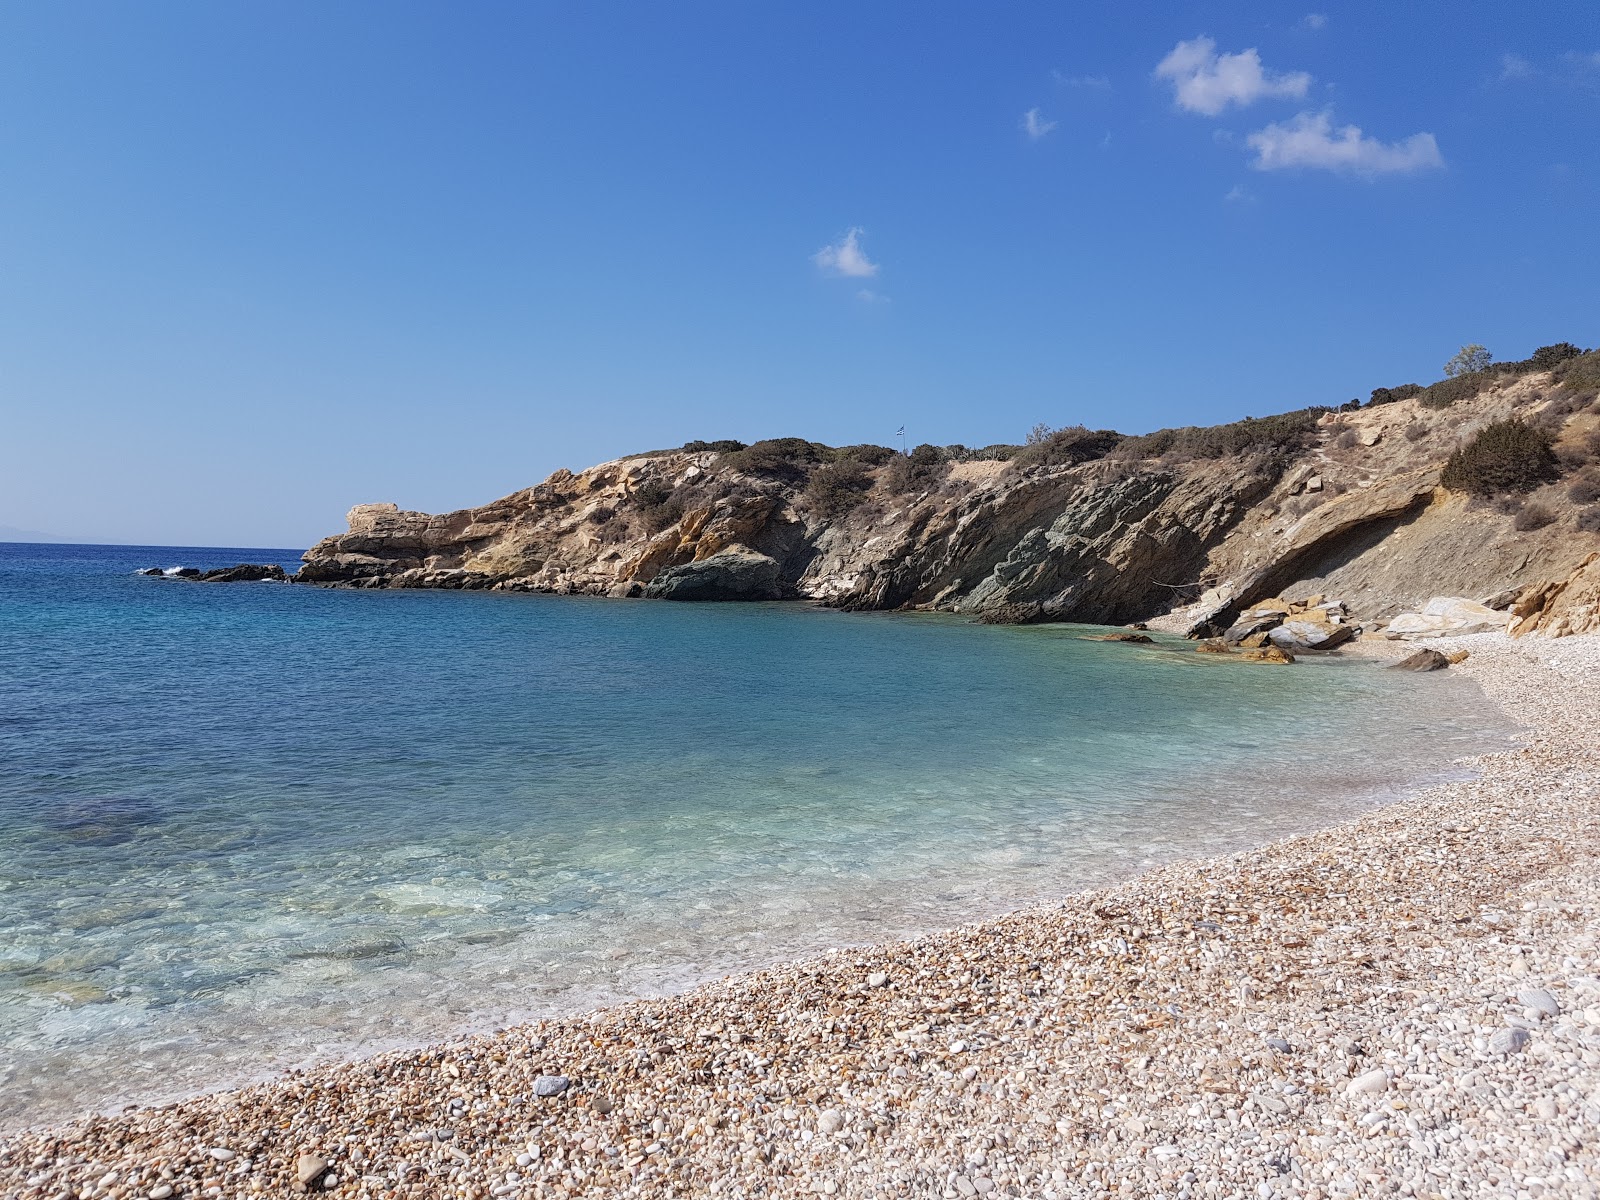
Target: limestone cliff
(1353,508)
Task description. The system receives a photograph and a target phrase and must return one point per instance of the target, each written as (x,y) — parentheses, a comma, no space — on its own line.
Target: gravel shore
(1408,1004)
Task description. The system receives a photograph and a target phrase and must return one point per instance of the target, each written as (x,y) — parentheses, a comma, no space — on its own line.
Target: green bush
(1547,358)
(781,458)
(725,446)
(1066,447)
(1507,456)
(1390,395)
(916,471)
(837,487)
(867,453)
(1580,374)
(998,452)
(1282,433)
(1532,516)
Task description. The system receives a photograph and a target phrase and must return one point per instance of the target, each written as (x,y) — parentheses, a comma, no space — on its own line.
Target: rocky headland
(1192,527)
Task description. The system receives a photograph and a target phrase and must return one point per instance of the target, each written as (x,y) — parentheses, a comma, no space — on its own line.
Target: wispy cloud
(868,296)
(1239,194)
(1205,82)
(846,257)
(1034,125)
(1514,66)
(1310,140)
(1315,21)
(1095,82)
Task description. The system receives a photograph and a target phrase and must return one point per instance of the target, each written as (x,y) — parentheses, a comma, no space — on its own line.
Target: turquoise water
(250,825)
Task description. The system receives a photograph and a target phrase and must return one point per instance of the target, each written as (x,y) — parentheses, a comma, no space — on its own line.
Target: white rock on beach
(1447,615)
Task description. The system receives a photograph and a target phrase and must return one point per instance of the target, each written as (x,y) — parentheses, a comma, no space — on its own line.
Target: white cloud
(1310,140)
(1315,20)
(1205,82)
(1034,125)
(868,296)
(1239,194)
(1514,66)
(845,257)
(1097,82)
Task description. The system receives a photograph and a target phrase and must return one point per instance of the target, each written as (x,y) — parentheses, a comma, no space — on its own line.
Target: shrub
(1390,395)
(1507,456)
(1283,433)
(1585,489)
(1459,387)
(1546,358)
(782,458)
(872,456)
(1346,440)
(837,487)
(1531,517)
(1580,374)
(725,446)
(1416,431)
(657,505)
(1350,405)
(1067,447)
(998,452)
(1589,520)
(915,471)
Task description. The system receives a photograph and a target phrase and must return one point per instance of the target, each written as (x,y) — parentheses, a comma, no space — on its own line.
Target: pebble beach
(1407,1004)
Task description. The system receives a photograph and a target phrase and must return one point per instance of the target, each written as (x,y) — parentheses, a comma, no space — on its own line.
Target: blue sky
(262,261)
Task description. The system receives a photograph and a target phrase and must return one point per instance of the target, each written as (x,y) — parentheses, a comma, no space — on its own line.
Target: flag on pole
(900,432)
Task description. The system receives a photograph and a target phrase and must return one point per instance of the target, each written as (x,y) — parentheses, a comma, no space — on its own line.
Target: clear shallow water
(244,826)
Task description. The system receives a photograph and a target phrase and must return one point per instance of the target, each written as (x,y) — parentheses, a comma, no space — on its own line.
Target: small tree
(1039,433)
(1467,360)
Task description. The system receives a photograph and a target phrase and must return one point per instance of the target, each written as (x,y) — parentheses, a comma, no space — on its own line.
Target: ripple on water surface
(244,826)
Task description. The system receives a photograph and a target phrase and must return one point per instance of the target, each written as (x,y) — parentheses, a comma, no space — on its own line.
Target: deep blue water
(246,825)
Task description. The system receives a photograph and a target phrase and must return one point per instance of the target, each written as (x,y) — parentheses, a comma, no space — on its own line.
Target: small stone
(1541,1001)
(524,1160)
(983,1185)
(222,1153)
(1376,1080)
(1278,1044)
(602,1104)
(308,1168)
(957,1047)
(550,1085)
(1510,1041)
(330,1181)
(965,1186)
(161,1191)
(831,1120)
(878,979)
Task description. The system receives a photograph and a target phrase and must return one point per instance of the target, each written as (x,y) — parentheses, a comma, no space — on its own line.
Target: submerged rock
(1142,639)
(1268,654)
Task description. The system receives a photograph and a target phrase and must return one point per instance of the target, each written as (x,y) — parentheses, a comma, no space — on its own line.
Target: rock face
(1559,607)
(1198,544)
(737,573)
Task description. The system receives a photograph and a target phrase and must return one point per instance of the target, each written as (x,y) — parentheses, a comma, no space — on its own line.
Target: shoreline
(1001,1054)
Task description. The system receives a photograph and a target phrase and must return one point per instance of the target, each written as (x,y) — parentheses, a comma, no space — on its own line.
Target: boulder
(1252,626)
(1563,606)
(153,571)
(1297,635)
(734,573)
(1213,646)
(1139,638)
(1445,615)
(244,573)
(1268,654)
(1422,660)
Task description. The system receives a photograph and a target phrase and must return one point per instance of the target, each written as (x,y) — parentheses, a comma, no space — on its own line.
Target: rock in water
(736,573)
(1268,654)
(1422,660)
(1296,636)
(1137,638)
(1213,646)
(244,573)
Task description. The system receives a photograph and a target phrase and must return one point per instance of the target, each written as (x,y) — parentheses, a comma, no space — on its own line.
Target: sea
(247,827)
